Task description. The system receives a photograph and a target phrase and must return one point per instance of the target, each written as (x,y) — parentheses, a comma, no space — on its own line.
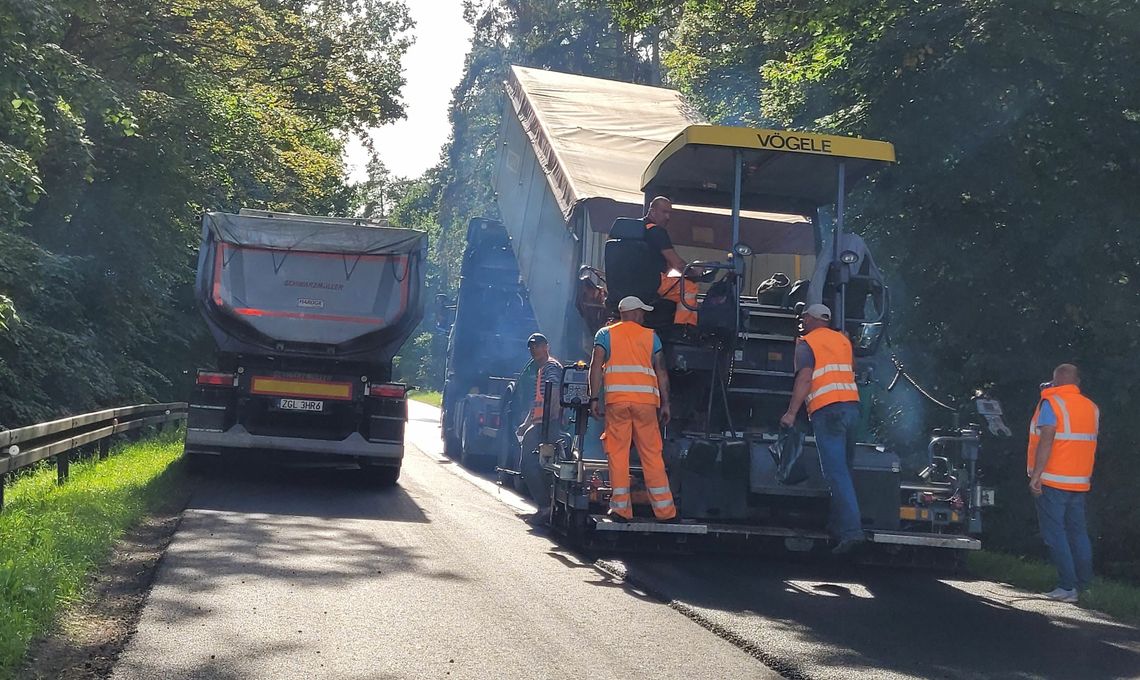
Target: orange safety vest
(629,376)
(833,379)
(540,393)
(1071,461)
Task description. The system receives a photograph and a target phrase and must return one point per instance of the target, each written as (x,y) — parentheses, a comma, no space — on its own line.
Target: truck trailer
(759,214)
(486,353)
(307,313)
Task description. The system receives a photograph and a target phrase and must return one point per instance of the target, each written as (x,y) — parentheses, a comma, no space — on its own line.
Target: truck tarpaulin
(289,284)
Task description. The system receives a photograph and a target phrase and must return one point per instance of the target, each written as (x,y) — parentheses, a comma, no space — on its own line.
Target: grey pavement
(312,575)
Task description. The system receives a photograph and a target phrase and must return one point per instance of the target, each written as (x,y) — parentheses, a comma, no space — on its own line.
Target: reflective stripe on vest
(629,376)
(1073,455)
(833,379)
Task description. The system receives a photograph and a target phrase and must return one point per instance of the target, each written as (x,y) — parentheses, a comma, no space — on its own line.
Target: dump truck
(486,352)
(307,313)
(760,215)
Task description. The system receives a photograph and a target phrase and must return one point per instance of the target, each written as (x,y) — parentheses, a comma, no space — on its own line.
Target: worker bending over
(1062,450)
(547,369)
(629,365)
(825,379)
(671,265)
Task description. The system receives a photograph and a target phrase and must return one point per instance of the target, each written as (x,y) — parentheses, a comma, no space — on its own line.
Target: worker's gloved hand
(597,410)
(663,414)
(788,419)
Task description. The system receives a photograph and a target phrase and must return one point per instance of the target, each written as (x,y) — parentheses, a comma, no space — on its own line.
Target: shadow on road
(325,493)
(905,622)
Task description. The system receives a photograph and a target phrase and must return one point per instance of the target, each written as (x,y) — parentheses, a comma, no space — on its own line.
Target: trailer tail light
(388,391)
(215,379)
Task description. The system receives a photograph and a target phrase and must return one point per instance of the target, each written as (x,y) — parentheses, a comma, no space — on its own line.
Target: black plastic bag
(787,452)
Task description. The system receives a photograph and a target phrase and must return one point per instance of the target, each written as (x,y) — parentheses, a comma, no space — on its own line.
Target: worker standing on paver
(1062,450)
(825,380)
(629,365)
(671,265)
(548,369)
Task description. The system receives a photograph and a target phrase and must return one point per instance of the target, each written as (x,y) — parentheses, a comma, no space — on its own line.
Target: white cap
(819,311)
(632,302)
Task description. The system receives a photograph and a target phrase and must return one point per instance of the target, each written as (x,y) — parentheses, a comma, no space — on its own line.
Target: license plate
(301,405)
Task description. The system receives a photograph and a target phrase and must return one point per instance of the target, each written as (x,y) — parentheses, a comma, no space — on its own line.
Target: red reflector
(387,390)
(482,420)
(215,379)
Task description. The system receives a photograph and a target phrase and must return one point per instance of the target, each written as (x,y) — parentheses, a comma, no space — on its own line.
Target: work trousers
(671,290)
(1061,517)
(628,423)
(834,427)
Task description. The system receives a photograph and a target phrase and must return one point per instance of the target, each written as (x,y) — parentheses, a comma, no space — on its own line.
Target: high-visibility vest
(833,380)
(628,375)
(1070,463)
(540,392)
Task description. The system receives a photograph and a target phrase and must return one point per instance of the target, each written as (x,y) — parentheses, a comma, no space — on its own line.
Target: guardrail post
(104,448)
(3,481)
(62,467)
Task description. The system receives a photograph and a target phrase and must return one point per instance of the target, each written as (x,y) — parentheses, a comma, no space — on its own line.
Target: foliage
(52,537)
(429,398)
(1008,221)
(575,36)
(121,121)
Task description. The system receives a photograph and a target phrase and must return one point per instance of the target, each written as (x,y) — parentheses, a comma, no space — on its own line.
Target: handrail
(57,439)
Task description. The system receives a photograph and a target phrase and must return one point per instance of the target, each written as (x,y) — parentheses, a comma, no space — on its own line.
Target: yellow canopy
(783,170)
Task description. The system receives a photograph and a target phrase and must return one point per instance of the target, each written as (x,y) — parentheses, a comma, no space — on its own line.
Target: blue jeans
(834,427)
(1061,516)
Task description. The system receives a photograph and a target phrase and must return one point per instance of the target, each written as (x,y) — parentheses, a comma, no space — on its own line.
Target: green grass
(1119,600)
(433,398)
(52,537)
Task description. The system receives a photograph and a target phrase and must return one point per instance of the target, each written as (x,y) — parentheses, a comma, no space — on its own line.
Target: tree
(120,122)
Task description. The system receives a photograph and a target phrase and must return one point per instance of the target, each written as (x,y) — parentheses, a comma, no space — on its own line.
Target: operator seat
(866,299)
(632,268)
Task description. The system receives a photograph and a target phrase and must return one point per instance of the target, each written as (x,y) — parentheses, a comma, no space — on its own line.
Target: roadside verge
(1118,600)
(55,539)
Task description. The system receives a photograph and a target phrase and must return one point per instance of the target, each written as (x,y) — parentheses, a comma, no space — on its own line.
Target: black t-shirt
(659,239)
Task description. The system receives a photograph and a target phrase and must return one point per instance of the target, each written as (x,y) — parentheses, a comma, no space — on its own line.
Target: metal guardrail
(60,439)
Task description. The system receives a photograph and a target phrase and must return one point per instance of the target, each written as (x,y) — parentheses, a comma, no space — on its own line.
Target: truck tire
(447,425)
(451,444)
(381,475)
(467,457)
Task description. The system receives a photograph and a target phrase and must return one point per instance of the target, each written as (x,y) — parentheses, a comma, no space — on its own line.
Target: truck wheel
(381,475)
(451,444)
(466,455)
